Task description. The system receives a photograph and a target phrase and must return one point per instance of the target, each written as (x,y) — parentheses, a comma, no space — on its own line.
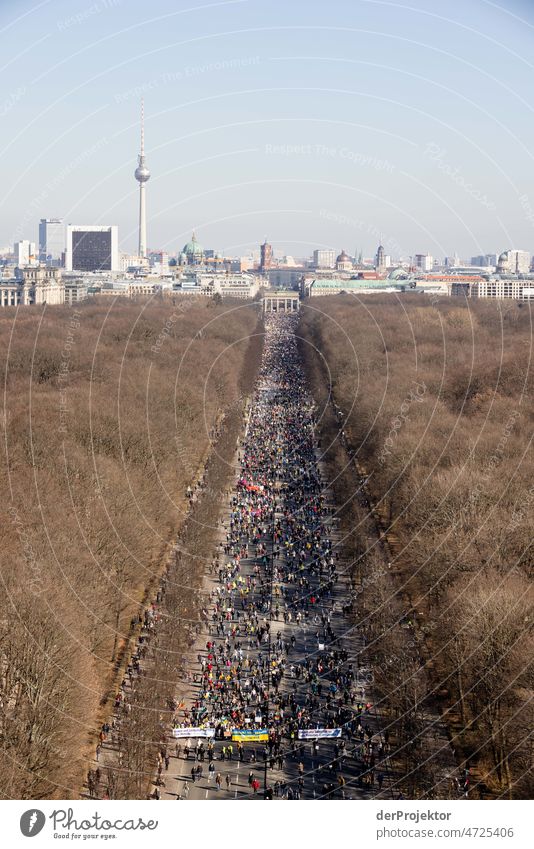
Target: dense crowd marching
(272,660)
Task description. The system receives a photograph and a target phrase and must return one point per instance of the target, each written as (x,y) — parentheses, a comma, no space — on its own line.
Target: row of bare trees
(108,414)
(436,402)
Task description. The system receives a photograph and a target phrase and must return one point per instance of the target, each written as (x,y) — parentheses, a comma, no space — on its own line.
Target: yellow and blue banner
(250,735)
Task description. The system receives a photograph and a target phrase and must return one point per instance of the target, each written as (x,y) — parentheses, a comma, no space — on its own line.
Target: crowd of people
(275,662)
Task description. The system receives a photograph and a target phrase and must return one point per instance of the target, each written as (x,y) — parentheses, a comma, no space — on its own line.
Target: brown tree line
(109,411)
(437,406)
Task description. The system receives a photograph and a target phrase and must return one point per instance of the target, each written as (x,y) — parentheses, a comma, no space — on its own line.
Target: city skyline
(379,254)
(410,135)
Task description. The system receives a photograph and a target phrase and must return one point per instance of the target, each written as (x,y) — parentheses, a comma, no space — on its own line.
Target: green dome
(193,248)
(399,274)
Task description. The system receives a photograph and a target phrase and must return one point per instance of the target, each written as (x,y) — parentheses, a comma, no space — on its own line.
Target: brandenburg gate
(281,302)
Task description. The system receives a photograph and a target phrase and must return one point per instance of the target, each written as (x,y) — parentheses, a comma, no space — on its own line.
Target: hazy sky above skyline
(315,124)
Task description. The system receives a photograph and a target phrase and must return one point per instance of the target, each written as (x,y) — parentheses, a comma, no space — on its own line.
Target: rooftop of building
(328,283)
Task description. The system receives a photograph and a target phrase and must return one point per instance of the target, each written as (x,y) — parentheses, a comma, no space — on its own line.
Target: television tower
(142,175)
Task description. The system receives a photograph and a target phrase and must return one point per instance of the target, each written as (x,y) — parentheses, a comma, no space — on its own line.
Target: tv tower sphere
(142,173)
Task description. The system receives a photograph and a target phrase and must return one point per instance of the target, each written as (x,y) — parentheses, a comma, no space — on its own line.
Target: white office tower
(520,261)
(24,253)
(51,240)
(324,258)
(142,175)
(92,248)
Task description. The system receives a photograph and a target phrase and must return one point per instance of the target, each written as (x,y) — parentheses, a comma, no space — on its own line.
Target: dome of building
(399,274)
(193,249)
(343,257)
(503,262)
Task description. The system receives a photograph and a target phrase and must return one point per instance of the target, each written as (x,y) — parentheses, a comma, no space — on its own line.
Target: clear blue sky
(317,124)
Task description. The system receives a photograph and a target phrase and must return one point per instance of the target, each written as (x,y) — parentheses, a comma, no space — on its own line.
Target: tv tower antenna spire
(142,175)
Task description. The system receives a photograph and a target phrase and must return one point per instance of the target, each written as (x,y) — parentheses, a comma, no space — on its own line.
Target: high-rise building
(92,248)
(324,259)
(514,262)
(485,260)
(380,259)
(142,175)
(51,240)
(521,260)
(24,253)
(159,262)
(423,262)
(266,256)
